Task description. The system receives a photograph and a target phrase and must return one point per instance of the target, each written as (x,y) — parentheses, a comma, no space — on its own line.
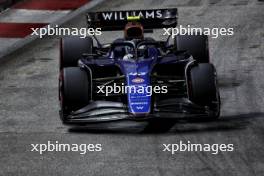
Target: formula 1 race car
(136,77)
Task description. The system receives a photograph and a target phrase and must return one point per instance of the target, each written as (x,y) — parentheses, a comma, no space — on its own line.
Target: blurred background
(4,4)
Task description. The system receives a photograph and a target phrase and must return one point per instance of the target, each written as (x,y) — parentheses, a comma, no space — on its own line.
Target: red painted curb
(51,4)
(18,30)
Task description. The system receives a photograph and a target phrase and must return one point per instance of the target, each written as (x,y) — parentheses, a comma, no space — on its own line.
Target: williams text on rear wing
(116,20)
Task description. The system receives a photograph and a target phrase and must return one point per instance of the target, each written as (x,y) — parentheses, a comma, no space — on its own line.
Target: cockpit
(134,46)
(134,50)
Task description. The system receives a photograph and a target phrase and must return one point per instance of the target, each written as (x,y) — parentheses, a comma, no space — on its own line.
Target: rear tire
(72,49)
(74,90)
(203,89)
(196,45)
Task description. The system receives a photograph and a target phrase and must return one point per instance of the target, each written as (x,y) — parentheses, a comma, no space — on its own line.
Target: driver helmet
(134,30)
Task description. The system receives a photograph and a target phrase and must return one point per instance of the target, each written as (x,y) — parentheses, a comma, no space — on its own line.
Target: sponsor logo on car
(122,15)
(138,80)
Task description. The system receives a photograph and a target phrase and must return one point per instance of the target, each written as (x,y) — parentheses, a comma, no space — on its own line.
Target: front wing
(107,111)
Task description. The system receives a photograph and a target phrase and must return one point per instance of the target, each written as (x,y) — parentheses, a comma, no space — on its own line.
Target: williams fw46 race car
(136,77)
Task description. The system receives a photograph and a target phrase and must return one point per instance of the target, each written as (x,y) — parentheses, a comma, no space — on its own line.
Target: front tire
(74,90)
(203,89)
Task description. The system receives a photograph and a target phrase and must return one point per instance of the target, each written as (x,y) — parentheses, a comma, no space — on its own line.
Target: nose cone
(139,94)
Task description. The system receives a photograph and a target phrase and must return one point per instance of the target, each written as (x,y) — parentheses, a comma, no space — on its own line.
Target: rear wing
(116,20)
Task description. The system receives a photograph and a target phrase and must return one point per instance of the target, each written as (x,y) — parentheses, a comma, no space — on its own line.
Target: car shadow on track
(224,124)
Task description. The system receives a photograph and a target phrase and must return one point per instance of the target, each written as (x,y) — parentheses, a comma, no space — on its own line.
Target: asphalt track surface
(29,106)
